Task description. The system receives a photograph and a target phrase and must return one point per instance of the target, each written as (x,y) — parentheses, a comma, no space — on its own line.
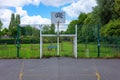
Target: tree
(71,27)
(89,29)
(5,31)
(12,25)
(52,29)
(0,27)
(111,29)
(80,23)
(12,22)
(28,30)
(82,17)
(46,29)
(22,31)
(117,8)
(15,21)
(105,10)
(36,32)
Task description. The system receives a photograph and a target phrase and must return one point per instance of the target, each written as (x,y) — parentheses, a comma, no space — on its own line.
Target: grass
(66,50)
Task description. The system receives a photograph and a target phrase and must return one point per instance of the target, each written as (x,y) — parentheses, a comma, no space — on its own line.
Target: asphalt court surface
(60,68)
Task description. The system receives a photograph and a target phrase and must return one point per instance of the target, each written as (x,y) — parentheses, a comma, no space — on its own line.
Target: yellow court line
(20,76)
(98,76)
(21,72)
(97,73)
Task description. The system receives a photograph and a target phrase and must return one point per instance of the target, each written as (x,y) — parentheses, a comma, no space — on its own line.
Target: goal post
(75,42)
(41,41)
(58,37)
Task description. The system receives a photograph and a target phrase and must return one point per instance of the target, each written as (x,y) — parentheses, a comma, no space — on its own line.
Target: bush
(110,39)
(7,41)
(22,41)
(111,29)
(28,40)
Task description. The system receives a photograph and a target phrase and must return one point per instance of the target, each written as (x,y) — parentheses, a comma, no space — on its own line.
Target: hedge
(22,41)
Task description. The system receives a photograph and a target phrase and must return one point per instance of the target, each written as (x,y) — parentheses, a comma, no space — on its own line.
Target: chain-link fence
(27,44)
(92,44)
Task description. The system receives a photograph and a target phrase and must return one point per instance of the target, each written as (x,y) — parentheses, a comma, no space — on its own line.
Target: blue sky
(42,10)
(39,11)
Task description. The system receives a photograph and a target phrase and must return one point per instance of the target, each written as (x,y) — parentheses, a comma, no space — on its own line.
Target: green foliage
(89,28)
(36,32)
(28,30)
(7,41)
(30,41)
(79,23)
(29,34)
(1,25)
(52,29)
(111,29)
(23,31)
(48,29)
(105,14)
(117,7)
(15,21)
(12,22)
(108,10)
(5,31)
(71,27)
(88,33)
(111,39)
(95,15)
(22,41)
(82,17)
(105,11)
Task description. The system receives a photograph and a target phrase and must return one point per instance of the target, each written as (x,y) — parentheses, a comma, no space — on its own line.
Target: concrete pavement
(59,68)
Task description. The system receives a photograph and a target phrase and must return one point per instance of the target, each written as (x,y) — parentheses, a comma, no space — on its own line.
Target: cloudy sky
(39,11)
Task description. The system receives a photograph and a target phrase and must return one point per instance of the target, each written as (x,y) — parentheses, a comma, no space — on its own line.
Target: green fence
(29,45)
(32,50)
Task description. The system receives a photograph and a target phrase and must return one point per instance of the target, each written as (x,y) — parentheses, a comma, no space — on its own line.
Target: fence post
(18,40)
(98,41)
(58,51)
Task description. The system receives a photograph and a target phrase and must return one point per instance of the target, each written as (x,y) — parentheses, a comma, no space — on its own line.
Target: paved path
(60,69)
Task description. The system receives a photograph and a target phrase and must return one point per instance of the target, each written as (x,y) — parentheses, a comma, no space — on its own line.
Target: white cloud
(20,11)
(76,8)
(34,20)
(26,19)
(56,3)
(18,3)
(5,15)
(72,10)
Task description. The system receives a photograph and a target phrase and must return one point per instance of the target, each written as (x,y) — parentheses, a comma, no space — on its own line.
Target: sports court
(59,68)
